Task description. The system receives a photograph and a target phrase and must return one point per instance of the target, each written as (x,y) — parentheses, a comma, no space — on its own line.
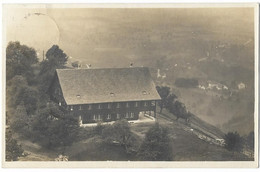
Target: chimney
(131,64)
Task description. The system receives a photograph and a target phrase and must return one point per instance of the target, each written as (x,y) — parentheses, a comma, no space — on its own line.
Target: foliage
(164,93)
(250,140)
(19,61)
(12,150)
(99,128)
(156,145)
(19,121)
(52,132)
(119,133)
(177,108)
(55,59)
(51,128)
(19,92)
(233,142)
(30,111)
(57,56)
(170,102)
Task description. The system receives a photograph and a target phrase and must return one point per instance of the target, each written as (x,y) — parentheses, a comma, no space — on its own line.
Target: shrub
(233,142)
(156,145)
(12,150)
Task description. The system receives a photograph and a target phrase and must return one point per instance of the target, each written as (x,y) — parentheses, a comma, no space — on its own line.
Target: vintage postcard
(130,85)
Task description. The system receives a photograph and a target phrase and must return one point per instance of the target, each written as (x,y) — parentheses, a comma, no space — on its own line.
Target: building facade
(93,95)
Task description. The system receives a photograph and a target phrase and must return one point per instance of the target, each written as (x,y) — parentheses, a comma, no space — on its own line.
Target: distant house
(109,94)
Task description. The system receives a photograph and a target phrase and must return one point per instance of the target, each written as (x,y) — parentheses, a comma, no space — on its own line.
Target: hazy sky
(89,33)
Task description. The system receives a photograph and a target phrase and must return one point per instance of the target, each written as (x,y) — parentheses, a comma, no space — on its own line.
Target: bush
(233,142)
(52,132)
(120,133)
(156,145)
(12,150)
(99,128)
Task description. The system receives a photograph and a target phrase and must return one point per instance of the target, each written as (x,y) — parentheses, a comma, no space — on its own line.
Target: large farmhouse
(107,94)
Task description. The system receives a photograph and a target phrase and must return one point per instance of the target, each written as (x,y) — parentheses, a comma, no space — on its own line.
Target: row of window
(108,105)
(118,116)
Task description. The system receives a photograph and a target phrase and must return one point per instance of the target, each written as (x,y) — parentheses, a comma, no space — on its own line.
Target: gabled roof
(88,86)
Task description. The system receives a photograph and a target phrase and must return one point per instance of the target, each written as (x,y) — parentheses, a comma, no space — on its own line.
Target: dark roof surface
(87,86)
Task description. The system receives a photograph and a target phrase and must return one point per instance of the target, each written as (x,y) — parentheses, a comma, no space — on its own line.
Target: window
(126,115)
(118,116)
(145,103)
(71,108)
(136,104)
(127,104)
(59,103)
(97,117)
(112,94)
(132,115)
(80,108)
(109,105)
(99,106)
(118,105)
(89,107)
(108,116)
(153,103)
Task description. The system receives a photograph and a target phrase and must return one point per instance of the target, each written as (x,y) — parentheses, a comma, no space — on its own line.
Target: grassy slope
(186,147)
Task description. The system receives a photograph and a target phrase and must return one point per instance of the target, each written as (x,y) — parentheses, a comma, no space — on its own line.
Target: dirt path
(35,152)
(195,129)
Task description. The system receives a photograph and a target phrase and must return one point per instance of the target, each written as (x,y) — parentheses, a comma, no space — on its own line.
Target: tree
(19,121)
(250,140)
(19,61)
(56,56)
(233,142)
(163,92)
(170,101)
(156,145)
(62,132)
(51,128)
(19,92)
(177,108)
(12,149)
(119,133)
(13,87)
(55,59)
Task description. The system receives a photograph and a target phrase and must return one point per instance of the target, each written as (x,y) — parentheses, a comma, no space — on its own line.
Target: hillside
(187,145)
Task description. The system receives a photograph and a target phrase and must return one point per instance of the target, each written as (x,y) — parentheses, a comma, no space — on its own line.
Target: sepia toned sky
(87,33)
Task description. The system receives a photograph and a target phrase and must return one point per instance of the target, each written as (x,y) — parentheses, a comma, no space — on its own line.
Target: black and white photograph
(146,85)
